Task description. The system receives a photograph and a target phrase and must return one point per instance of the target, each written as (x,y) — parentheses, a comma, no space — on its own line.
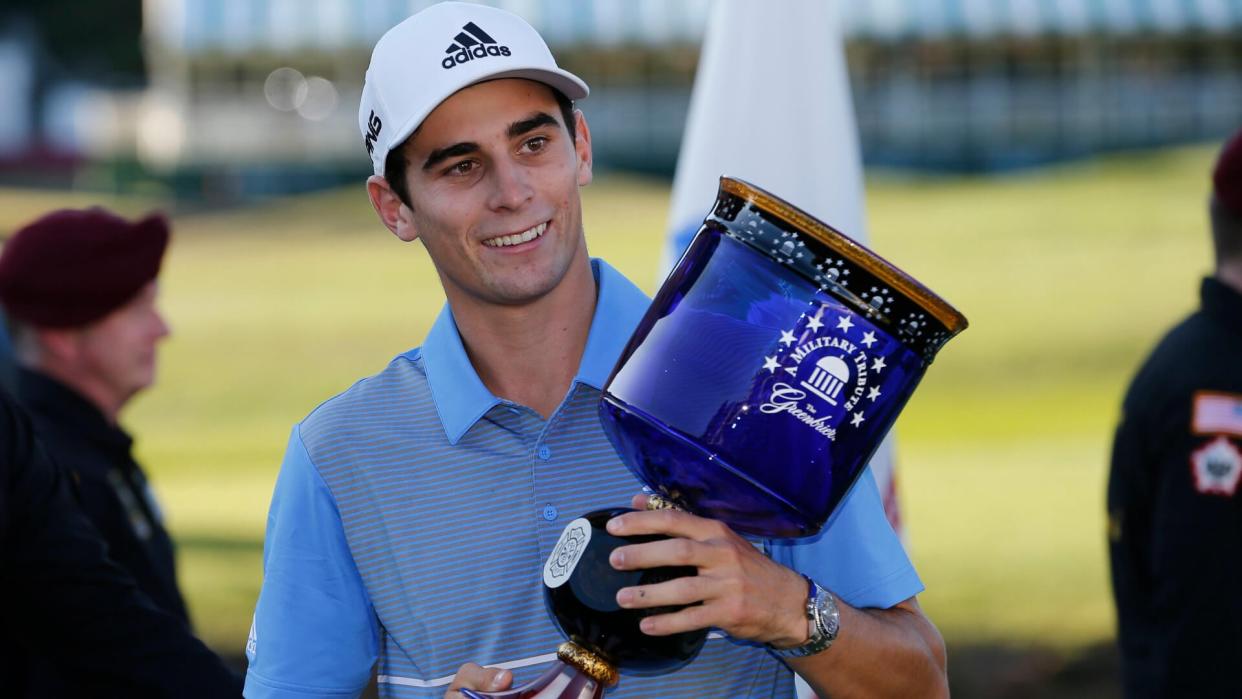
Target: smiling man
(413,513)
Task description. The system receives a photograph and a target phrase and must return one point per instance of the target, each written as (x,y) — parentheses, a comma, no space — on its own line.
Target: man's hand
(476,677)
(742,592)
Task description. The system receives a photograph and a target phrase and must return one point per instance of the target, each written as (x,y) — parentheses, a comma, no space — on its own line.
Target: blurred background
(1042,164)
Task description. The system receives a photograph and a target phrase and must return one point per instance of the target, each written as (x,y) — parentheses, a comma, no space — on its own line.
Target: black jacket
(67,602)
(111,486)
(1175,510)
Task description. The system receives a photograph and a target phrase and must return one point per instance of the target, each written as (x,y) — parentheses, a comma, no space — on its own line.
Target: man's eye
(465,167)
(537,143)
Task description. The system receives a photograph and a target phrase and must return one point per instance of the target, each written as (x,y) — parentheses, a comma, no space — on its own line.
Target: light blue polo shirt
(413,514)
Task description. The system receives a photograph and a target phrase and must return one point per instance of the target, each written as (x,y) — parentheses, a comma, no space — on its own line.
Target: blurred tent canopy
(253,97)
(247,25)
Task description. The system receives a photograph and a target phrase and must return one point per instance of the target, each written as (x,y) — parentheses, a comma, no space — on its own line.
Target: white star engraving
(868,338)
(787,338)
(878,364)
(844,323)
(771,364)
(873,394)
(815,323)
(857,419)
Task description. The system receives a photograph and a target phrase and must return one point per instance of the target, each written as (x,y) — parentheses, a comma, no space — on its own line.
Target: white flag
(771,105)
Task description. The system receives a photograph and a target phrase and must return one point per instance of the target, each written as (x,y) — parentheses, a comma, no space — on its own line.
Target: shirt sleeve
(314,632)
(858,555)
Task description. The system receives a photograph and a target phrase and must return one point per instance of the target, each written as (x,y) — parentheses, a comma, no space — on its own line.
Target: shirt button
(545,453)
(549,512)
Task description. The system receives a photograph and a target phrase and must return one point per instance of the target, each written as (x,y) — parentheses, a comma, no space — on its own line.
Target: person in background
(1174,502)
(78,289)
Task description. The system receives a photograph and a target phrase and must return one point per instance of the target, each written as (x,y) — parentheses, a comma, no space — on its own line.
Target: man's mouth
(502,241)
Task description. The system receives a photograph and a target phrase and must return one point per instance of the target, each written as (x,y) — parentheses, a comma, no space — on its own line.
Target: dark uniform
(111,486)
(67,603)
(1175,509)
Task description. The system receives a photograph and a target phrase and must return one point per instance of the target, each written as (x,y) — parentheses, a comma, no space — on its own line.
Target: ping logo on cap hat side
(471,43)
(374,124)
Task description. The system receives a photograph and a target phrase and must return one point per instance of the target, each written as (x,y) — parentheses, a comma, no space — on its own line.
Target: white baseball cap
(421,62)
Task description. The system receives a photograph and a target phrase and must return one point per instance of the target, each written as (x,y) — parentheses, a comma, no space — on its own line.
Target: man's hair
(1226,233)
(22,341)
(395,163)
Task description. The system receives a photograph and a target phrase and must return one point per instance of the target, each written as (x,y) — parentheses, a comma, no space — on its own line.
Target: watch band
(823,620)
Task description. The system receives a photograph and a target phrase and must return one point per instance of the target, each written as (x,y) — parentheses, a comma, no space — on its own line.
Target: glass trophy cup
(768,369)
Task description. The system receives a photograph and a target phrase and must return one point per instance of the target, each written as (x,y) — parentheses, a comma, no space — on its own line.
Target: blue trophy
(771,364)
(765,374)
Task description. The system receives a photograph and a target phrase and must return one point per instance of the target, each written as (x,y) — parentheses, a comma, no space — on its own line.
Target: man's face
(118,350)
(493,178)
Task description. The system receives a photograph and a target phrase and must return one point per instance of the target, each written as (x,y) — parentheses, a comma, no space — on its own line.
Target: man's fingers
(678,591)
(699,616)
(477,677)
(668,522)
(653,554)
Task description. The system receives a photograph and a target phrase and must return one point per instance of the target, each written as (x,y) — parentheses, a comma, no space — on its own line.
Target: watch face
(827,616)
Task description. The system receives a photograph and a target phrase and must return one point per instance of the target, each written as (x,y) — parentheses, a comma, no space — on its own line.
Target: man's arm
(314,633)
(893,652)
(878,652)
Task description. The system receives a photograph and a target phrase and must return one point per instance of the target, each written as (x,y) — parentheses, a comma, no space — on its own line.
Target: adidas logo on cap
(471,43)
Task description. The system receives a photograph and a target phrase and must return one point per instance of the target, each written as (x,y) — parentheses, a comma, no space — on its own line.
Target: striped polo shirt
(413,514)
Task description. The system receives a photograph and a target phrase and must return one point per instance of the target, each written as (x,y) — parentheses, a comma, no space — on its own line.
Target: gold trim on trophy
(659,502)
(589,663)
(842,245)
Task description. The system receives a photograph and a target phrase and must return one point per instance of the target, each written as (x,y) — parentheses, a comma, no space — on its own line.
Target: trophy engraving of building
(829,376)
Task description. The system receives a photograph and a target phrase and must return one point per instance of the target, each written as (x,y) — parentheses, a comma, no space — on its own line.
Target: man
(1175,510)
(413,512)
(79,291)
(71,606)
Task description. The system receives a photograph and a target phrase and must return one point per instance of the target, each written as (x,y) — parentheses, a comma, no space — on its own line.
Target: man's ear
(582,146)
(58,345)
(391,210)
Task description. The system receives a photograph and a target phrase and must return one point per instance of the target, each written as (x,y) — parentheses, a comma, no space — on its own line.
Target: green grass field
(1067,275)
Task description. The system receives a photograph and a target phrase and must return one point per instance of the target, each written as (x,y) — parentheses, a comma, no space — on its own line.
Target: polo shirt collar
(459,394)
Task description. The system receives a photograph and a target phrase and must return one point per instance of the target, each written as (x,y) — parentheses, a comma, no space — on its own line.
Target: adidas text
(474,52)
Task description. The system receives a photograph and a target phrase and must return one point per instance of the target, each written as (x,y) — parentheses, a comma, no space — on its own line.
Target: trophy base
(697,480)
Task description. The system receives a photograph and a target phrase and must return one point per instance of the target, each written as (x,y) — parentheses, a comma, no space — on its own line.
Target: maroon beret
(72,267)
(1227,178)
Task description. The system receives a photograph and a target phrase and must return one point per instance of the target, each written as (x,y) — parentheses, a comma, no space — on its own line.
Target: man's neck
(95,393)
(530,354)
(1230,274)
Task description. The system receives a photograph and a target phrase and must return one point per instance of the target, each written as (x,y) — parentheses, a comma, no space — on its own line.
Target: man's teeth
(517,238)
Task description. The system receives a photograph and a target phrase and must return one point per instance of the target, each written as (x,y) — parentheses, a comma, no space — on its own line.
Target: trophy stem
(591,664)
(577,674)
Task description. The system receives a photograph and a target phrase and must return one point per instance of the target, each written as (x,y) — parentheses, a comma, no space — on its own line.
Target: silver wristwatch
(823,620)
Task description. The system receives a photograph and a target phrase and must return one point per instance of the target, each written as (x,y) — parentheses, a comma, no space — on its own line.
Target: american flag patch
(1217,413)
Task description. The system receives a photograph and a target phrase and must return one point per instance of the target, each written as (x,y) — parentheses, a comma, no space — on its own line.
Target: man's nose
(512,187)
(160,326)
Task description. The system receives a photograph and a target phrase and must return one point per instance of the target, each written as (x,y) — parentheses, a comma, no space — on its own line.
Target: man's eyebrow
(516,129)
(531,123)
(441,154)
